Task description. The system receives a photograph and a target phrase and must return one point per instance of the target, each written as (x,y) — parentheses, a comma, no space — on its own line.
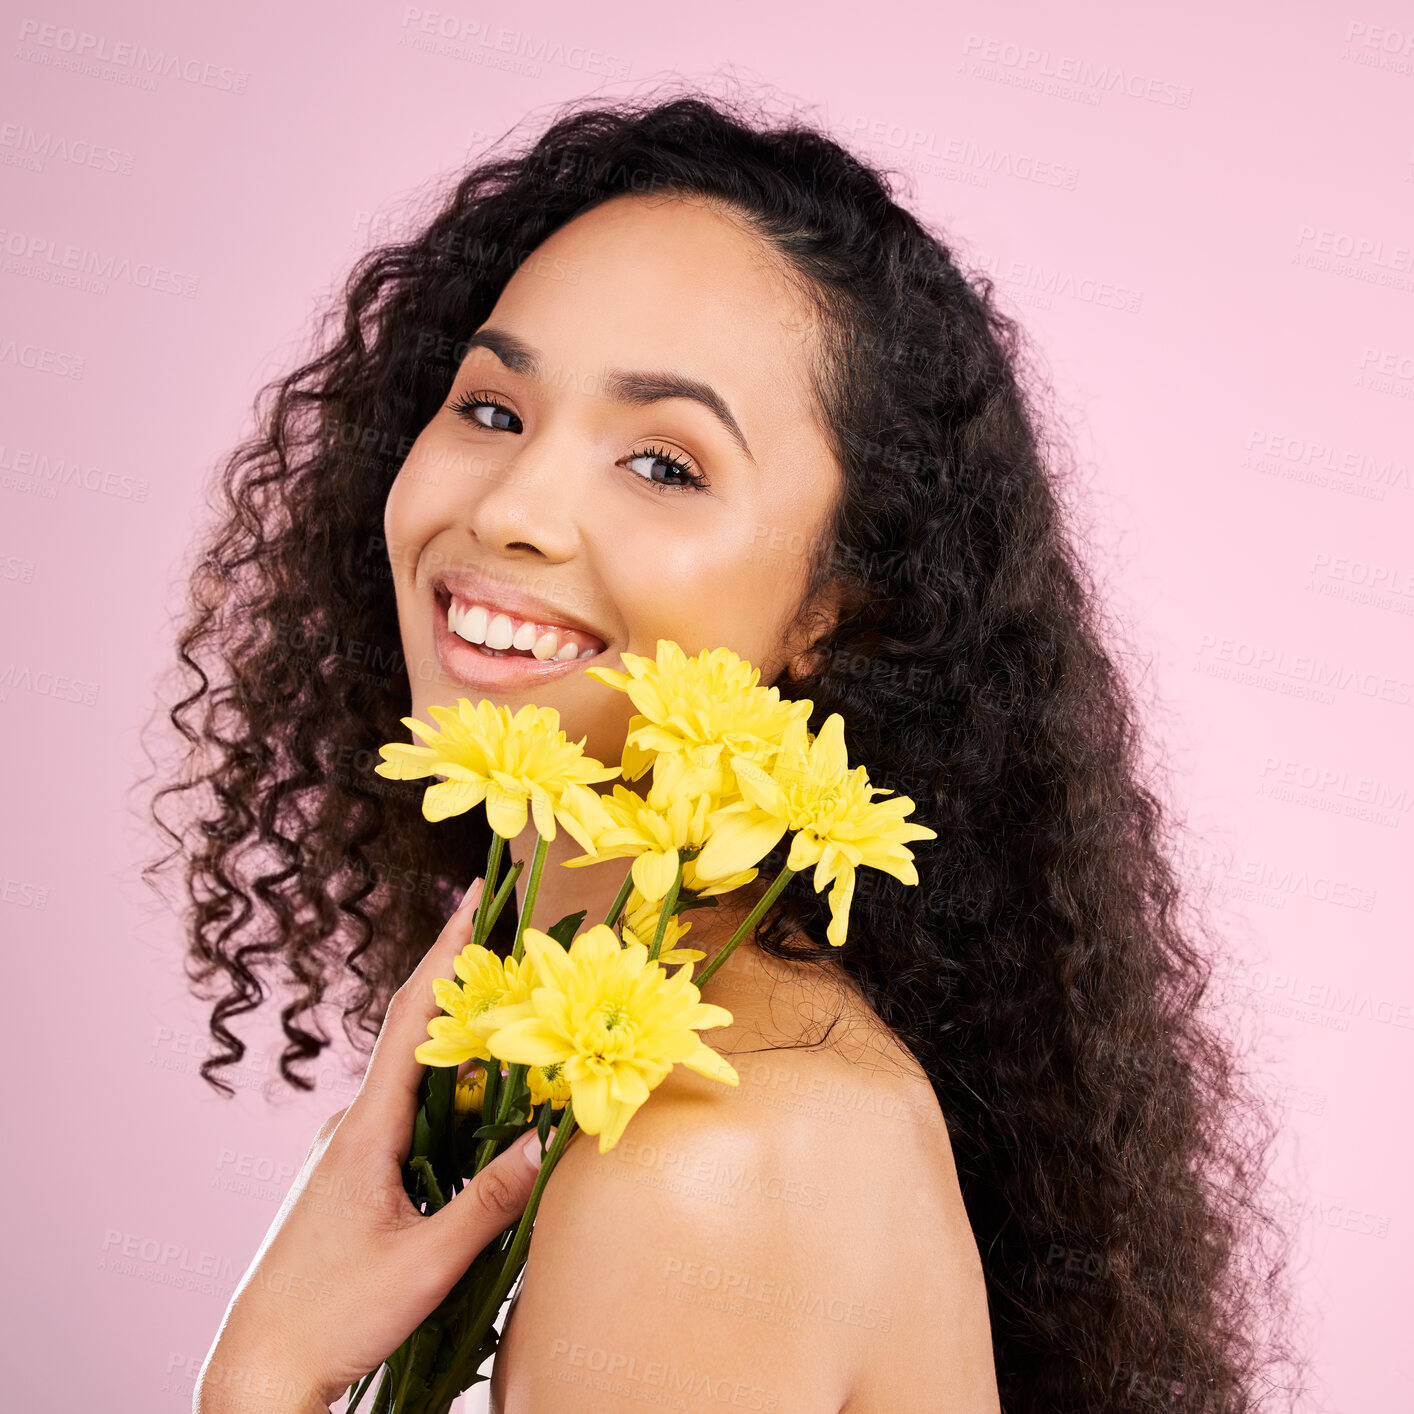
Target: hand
(349,1268)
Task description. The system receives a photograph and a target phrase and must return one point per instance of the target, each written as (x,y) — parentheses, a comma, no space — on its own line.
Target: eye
(470,405)
(485,411)
(657,458)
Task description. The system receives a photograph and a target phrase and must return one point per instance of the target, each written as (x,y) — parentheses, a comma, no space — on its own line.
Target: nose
(530,501)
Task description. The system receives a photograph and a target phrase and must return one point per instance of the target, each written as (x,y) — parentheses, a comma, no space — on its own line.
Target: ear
(806,664)
(824,616)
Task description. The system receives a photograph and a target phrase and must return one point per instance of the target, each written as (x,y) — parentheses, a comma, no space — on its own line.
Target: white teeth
(470,625)
(499,632)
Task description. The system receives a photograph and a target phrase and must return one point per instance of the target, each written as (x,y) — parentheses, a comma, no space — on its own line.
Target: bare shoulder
(774,1245)
(656,1271)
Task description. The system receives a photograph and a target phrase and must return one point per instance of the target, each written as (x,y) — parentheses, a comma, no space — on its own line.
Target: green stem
(532,887)
(669,904)
(491,1095)
(407,1373)
(521,1241)
(517,1072)
(514,1079)
(625,889)
(360,1389)
(501,1112)
(482,928)
(482,925)
(383,1396)
(450,1385)
(749,922)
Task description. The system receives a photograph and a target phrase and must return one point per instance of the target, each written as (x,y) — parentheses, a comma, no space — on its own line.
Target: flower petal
(552,964)
(612,1131)
(591,1102)
(506,812)
(840,897)
(739,840)
(627,1086)
(705,1061)
(450,798)
(529,1042)
(443,1053)
(402,762)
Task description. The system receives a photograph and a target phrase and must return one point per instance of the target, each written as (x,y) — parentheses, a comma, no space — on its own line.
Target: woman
(671,373)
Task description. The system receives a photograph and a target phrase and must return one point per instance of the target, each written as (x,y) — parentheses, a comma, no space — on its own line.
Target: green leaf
(421,1134)
(563,932)
(688,899)
(441,1086)
(490,1100)
(499,1131)
(435,1200)
(543,1127)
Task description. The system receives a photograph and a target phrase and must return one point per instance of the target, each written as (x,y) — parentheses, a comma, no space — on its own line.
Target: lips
(464,625)
(471,587)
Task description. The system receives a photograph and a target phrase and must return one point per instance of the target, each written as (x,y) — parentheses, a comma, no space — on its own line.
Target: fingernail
(530,1148)
(472,894)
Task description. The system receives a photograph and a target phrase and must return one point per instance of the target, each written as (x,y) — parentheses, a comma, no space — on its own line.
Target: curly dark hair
(1046,971)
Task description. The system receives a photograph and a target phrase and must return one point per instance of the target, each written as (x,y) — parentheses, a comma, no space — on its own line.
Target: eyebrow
(635,389)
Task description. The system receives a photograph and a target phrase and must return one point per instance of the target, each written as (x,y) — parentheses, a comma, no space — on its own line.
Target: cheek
(428,494)
(414,501)
(710,586)
(411,515)
(401,515)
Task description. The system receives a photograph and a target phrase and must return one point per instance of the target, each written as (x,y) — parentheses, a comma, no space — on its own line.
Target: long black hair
(1045,971)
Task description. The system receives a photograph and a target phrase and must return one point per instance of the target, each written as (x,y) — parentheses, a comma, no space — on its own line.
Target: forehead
(669,283)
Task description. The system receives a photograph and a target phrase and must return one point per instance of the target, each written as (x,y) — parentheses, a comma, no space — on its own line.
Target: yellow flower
(654,830)
(471,1090)
(470,1093)
(508,762)
(488,984)
(811,790)
(615,1021)
(694,714)
(547,1082)
(639,922)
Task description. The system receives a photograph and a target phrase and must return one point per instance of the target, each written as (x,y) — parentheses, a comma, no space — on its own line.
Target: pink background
(1207,229)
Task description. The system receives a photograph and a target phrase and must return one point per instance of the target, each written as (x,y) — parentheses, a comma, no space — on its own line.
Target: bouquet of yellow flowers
(589,1023)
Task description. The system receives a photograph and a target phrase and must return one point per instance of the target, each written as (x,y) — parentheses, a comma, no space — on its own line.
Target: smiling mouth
(498,634)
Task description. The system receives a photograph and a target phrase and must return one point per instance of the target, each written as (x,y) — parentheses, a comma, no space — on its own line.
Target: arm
(685,1267)
(349,1267)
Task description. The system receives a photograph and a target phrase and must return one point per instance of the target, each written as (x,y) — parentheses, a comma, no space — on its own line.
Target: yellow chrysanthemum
(488,984)
(654,830)
(470,1094)
(696,713)
(615,1021)
(547,1082)
(639,923)
(511,763)
(470,1091)
(839,827)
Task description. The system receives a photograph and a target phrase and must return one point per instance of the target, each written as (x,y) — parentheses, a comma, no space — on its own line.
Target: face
(629,452)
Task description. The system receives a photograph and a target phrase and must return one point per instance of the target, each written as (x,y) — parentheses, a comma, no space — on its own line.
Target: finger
(326,1130)
(387,1098)
(490,1202)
